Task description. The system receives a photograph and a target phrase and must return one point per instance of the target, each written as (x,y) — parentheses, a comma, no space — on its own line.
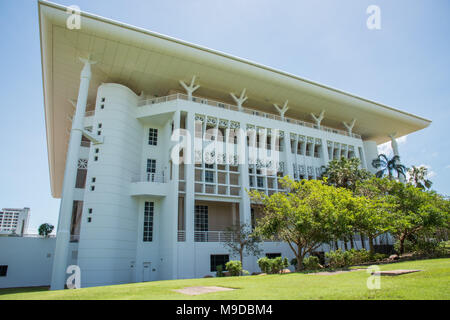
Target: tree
(417,211)
(345,173)
(45,229)
(389,167)
(308,214)
(372,212)
(418,177)
(243,241)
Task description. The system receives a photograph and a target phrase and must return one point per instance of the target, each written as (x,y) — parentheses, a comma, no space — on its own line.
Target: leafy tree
(243,241)
(389,167)
(372,212)
(308,214)
(418,177)
(45,229)
(345,173)
(416,211)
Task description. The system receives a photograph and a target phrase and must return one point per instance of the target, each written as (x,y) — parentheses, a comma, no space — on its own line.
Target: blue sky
(406,65)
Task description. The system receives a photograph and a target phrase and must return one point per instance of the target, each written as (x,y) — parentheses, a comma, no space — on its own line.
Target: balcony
(154,184)
(212,236)
(253,112)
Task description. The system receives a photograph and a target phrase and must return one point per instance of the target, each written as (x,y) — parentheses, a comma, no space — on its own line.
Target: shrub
(219,271)
(234,267)
(265,264)
(311,263)
(338,258)
(271,266)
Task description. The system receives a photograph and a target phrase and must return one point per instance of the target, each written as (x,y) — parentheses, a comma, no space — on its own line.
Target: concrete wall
(29,261)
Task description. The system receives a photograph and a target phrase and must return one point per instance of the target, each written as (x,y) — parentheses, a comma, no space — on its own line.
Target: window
(152,136)
(209,176)
(3,271)
(201,223)
(201,218)
(148,221)
(260,182)
(151,169)
(273,255)
(80,181)
(219,260)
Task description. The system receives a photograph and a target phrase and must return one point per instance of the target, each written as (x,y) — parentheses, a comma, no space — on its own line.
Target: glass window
(148,221)
(219,260)
(152,136)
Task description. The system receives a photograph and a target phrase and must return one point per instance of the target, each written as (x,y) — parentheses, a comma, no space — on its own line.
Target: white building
(128,211)
(14,221)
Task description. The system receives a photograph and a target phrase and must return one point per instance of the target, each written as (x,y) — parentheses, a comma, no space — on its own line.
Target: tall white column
(288,155)
(70,175)
(370,153)
(190,181)
(244,205)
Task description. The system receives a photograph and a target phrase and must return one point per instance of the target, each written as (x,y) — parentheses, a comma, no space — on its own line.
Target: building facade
(14,221)
(154,143)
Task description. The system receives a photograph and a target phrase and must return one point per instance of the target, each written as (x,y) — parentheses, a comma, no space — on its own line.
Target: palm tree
(388,166)
(418,177)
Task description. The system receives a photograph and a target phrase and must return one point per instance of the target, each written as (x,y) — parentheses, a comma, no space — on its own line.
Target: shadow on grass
(23,290)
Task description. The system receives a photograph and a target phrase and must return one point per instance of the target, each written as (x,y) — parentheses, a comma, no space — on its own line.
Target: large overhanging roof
(153,63)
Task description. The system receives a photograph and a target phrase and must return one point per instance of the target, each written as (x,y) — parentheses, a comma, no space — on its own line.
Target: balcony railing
(158,177)
(89,113)
(181,236)
(181,96)
(212,236)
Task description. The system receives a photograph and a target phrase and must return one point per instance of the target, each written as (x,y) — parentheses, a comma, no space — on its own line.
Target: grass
(432,283)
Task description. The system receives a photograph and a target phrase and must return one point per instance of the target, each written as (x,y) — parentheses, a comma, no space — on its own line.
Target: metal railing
(212,236)
(157,177)
(181,236)
(181,96)
(89,113)
(74,237)
(85,144)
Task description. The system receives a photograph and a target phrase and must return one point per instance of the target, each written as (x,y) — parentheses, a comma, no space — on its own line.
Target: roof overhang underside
(153,63)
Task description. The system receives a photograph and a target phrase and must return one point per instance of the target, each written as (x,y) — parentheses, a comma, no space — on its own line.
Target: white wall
(29,261)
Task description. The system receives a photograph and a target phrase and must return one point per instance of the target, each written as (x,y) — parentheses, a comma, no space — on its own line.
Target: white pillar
(244,205)
(370,153)
(190,182)
(288,155)
(70,175)
(394,144)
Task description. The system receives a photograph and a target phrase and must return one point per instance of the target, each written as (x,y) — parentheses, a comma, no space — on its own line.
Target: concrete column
(173,198)
(370,153)
(244,205)
(288,155)
(70,175)
(190,183)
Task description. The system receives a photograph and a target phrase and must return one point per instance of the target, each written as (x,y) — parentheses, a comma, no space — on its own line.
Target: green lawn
(432,283)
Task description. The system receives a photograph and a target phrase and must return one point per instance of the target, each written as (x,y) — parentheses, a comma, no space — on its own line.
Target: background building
(14,221)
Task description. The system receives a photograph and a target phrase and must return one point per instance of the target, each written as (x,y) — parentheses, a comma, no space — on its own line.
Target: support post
(239,101)
(318,119)
(282,110)
(70,175)
(190,88)
(349,126)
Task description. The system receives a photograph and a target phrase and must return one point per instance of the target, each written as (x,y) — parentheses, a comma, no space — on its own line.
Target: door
(147,272)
